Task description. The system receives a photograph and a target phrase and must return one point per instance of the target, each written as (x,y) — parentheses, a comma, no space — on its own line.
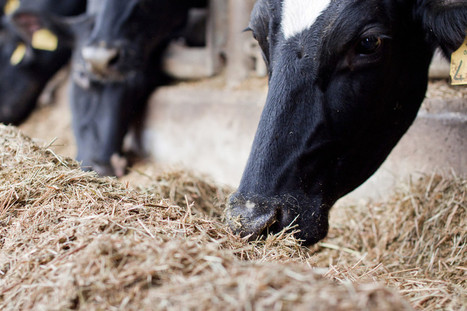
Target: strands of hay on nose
(71,240)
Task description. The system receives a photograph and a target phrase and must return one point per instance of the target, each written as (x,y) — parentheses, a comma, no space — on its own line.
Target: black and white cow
(25,68)
(346,79)
(117,51)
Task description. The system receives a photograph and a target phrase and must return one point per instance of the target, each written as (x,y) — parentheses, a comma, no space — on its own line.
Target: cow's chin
(84,79)
(117,166)
(253,216)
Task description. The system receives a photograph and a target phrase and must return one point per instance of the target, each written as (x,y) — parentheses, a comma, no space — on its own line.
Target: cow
(6,7)
(25,68)
(117,50)
(346,79)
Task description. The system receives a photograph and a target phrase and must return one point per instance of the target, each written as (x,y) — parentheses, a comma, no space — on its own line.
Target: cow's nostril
(100,58)
(114,60)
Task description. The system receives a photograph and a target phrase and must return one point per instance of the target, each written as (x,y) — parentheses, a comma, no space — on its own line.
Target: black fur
(445,22)
(21,84)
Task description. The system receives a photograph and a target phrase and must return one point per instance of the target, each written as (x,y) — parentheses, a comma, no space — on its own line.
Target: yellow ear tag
(18,54)
(10,6)
(44,39)
(459,65)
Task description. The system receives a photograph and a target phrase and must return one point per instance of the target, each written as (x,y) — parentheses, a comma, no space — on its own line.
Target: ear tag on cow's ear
(44,39)
(459,65)
(10,6)
(18,54)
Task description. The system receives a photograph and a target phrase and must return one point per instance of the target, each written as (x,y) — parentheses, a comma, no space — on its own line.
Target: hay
(72,240)
(183,188)
(415,242)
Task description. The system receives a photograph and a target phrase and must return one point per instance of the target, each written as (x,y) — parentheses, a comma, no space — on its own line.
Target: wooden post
(239,62)
(217,32)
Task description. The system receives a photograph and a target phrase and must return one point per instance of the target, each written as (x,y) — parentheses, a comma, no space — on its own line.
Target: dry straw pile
(72,241)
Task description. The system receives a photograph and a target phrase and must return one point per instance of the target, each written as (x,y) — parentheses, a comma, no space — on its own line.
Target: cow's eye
(369,45)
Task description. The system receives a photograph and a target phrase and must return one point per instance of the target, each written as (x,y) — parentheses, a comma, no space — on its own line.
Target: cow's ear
(444,21)
(259,25)
(41,31)
(44,31)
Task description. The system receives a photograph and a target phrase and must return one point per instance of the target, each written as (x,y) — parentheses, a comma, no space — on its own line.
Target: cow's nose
(99,59)
(250,218)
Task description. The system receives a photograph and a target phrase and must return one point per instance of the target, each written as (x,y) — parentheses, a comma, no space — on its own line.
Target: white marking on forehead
(299,15)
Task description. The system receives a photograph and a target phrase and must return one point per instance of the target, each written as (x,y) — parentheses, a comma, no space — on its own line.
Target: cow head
(124,36)
(117,48)
(115,68)
(26,64)
(20,84)
(346,79)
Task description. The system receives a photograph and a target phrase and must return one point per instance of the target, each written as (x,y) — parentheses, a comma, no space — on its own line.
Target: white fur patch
(250,205)
(299,15)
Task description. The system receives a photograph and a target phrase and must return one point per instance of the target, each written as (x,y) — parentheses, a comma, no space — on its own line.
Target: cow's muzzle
(253,217)
(248,218)
(99,59)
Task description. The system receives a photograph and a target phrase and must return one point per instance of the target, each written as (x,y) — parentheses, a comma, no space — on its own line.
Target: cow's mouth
(85,78)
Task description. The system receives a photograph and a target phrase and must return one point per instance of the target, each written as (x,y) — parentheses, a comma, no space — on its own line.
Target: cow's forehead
(299,15)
